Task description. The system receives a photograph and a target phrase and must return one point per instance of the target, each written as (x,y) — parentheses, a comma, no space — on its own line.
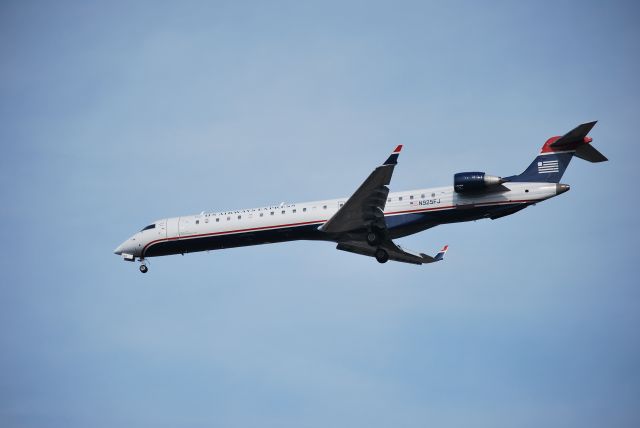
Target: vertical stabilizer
(556,154)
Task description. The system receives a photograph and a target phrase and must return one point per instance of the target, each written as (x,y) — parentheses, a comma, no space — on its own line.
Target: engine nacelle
(470,182)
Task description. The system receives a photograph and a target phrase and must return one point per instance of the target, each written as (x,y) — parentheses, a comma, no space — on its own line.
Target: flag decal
(546,167)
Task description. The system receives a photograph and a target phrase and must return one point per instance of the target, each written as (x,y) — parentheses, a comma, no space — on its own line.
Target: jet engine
(473,182)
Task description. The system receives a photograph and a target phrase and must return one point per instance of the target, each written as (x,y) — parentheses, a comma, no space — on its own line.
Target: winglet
(393,158)
(441,254)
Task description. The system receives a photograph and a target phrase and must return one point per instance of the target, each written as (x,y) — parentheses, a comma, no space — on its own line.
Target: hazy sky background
(114,115)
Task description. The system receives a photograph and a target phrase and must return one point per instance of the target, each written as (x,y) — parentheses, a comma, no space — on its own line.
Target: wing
(393,252)
(365,208)
(364,211)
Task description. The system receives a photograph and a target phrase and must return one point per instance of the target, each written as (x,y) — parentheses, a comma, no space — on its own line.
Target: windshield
(151,226)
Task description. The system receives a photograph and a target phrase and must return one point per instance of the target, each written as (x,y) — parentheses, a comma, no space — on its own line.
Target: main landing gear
(382,256)
(374,237)
(143,266)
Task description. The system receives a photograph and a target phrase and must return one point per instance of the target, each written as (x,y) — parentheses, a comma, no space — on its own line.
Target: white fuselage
(290,217)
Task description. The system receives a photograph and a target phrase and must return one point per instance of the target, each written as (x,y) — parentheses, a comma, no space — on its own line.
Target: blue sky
(114,115)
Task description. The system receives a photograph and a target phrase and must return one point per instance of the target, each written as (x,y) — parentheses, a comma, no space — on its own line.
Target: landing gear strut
(382,256)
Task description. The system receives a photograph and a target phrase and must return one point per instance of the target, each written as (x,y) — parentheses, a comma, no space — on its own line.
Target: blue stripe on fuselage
(398,225)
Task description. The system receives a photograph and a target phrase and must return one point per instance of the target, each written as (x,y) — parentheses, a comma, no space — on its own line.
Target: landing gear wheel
(382,256)
(373,238)
(144,268)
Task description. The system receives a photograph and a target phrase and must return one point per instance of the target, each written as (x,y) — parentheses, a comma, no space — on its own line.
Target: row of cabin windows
(433,195)
(206,220)
(295,210)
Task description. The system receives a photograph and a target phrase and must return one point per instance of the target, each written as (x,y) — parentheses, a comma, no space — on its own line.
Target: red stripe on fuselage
(480,204)
(228,232)
(253,229)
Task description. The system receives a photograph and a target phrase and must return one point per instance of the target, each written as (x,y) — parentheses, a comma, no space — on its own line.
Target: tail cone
(561,188)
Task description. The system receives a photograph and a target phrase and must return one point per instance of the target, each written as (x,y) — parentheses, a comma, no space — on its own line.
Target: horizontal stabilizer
(575,136)
(590,153)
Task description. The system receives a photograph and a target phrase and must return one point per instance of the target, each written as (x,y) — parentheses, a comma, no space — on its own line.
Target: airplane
(367,222)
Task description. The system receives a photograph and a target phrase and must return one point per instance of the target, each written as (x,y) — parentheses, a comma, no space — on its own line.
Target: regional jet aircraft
(367,222)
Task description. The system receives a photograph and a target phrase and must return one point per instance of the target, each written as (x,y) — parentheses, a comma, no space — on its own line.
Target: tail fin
(556,154)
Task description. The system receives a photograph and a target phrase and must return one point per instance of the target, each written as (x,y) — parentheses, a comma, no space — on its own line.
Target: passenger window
(400,198)
(324,207)
(206,220)
(294,211)
(282,211)
(197,221)
(304,210)
(217,219)
(411,197)
(433,195)
(239,217)
(271,212)
(422,196)
(261,214)
(228,218)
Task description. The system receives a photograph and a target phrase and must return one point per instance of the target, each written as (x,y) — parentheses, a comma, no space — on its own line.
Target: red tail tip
(397,150)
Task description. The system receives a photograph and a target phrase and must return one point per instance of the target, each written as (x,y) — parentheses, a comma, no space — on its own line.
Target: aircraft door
(172,227)
(161,229)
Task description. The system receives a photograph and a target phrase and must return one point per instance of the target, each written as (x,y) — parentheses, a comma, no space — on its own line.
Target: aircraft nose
(128,247)
(561,188)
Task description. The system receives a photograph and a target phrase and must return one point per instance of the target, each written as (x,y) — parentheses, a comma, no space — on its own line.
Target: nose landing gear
(143,266)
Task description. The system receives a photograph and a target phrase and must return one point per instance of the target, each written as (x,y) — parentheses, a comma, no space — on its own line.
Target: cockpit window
(151,226)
